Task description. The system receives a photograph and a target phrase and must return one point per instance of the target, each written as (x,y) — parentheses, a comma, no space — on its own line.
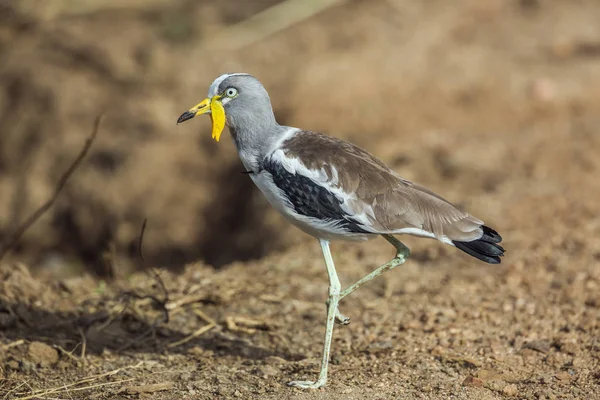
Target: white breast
(273,194)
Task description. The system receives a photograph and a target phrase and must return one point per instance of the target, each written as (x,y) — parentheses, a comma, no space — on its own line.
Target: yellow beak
(212,106)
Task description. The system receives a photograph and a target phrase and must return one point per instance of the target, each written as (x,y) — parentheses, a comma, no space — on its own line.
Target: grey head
(242,103)
(247,105)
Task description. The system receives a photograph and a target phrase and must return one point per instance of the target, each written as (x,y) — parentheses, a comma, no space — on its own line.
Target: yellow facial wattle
(217,114)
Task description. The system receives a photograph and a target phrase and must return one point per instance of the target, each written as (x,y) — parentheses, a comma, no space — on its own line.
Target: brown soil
(492,104)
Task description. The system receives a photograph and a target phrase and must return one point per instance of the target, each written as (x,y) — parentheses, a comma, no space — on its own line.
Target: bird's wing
(371,194)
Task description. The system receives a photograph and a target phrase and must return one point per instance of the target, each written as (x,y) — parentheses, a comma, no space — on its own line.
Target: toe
(306,384)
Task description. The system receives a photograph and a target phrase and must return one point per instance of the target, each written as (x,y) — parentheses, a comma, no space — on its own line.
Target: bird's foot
(307,384)
(341,318)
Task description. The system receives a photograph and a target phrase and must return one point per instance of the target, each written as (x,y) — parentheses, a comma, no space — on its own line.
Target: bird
(334,190)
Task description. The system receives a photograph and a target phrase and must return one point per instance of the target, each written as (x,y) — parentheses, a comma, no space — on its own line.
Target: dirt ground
(494,105)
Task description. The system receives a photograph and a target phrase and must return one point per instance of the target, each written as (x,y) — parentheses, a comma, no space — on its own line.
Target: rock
(563,376)
(378,347)
(43,355)
(411,325)
(543,346)
(472,381)
(510,390)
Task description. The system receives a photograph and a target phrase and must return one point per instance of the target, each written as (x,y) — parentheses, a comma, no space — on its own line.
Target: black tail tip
(485,248)
(490,235)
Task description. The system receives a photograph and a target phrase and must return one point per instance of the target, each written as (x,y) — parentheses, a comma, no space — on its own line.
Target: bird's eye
(231,92)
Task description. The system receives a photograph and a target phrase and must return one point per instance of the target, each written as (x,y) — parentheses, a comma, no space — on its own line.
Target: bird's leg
(332,312)
(402,253)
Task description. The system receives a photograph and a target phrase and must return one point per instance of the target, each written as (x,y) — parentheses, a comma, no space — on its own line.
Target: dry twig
(203,316)
(67,353)
(161,303)
(13,344)
(211,324)
(46,392)
(192,298)
(21,229)
(71,386)
(267,22)
(83,344)
(14,389)
(197,333)
(165,300)
(245,325)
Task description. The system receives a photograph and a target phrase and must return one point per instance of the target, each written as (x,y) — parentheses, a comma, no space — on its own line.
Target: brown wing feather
(395,202)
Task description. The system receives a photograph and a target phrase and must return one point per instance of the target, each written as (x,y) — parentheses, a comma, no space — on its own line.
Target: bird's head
(236,100)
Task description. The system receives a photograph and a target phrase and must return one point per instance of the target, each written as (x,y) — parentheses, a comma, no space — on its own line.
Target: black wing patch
(309,198)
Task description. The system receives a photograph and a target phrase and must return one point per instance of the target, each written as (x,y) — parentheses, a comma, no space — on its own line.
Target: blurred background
(493,104)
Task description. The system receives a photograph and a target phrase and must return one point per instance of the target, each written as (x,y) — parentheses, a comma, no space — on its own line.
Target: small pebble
(472,381)
(543,346)
(41,354)
(510,390)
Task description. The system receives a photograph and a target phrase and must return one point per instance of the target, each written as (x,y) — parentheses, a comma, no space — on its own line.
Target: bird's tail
(486,248)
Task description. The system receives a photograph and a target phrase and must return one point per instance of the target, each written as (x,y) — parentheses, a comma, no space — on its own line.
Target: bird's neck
(254,143)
